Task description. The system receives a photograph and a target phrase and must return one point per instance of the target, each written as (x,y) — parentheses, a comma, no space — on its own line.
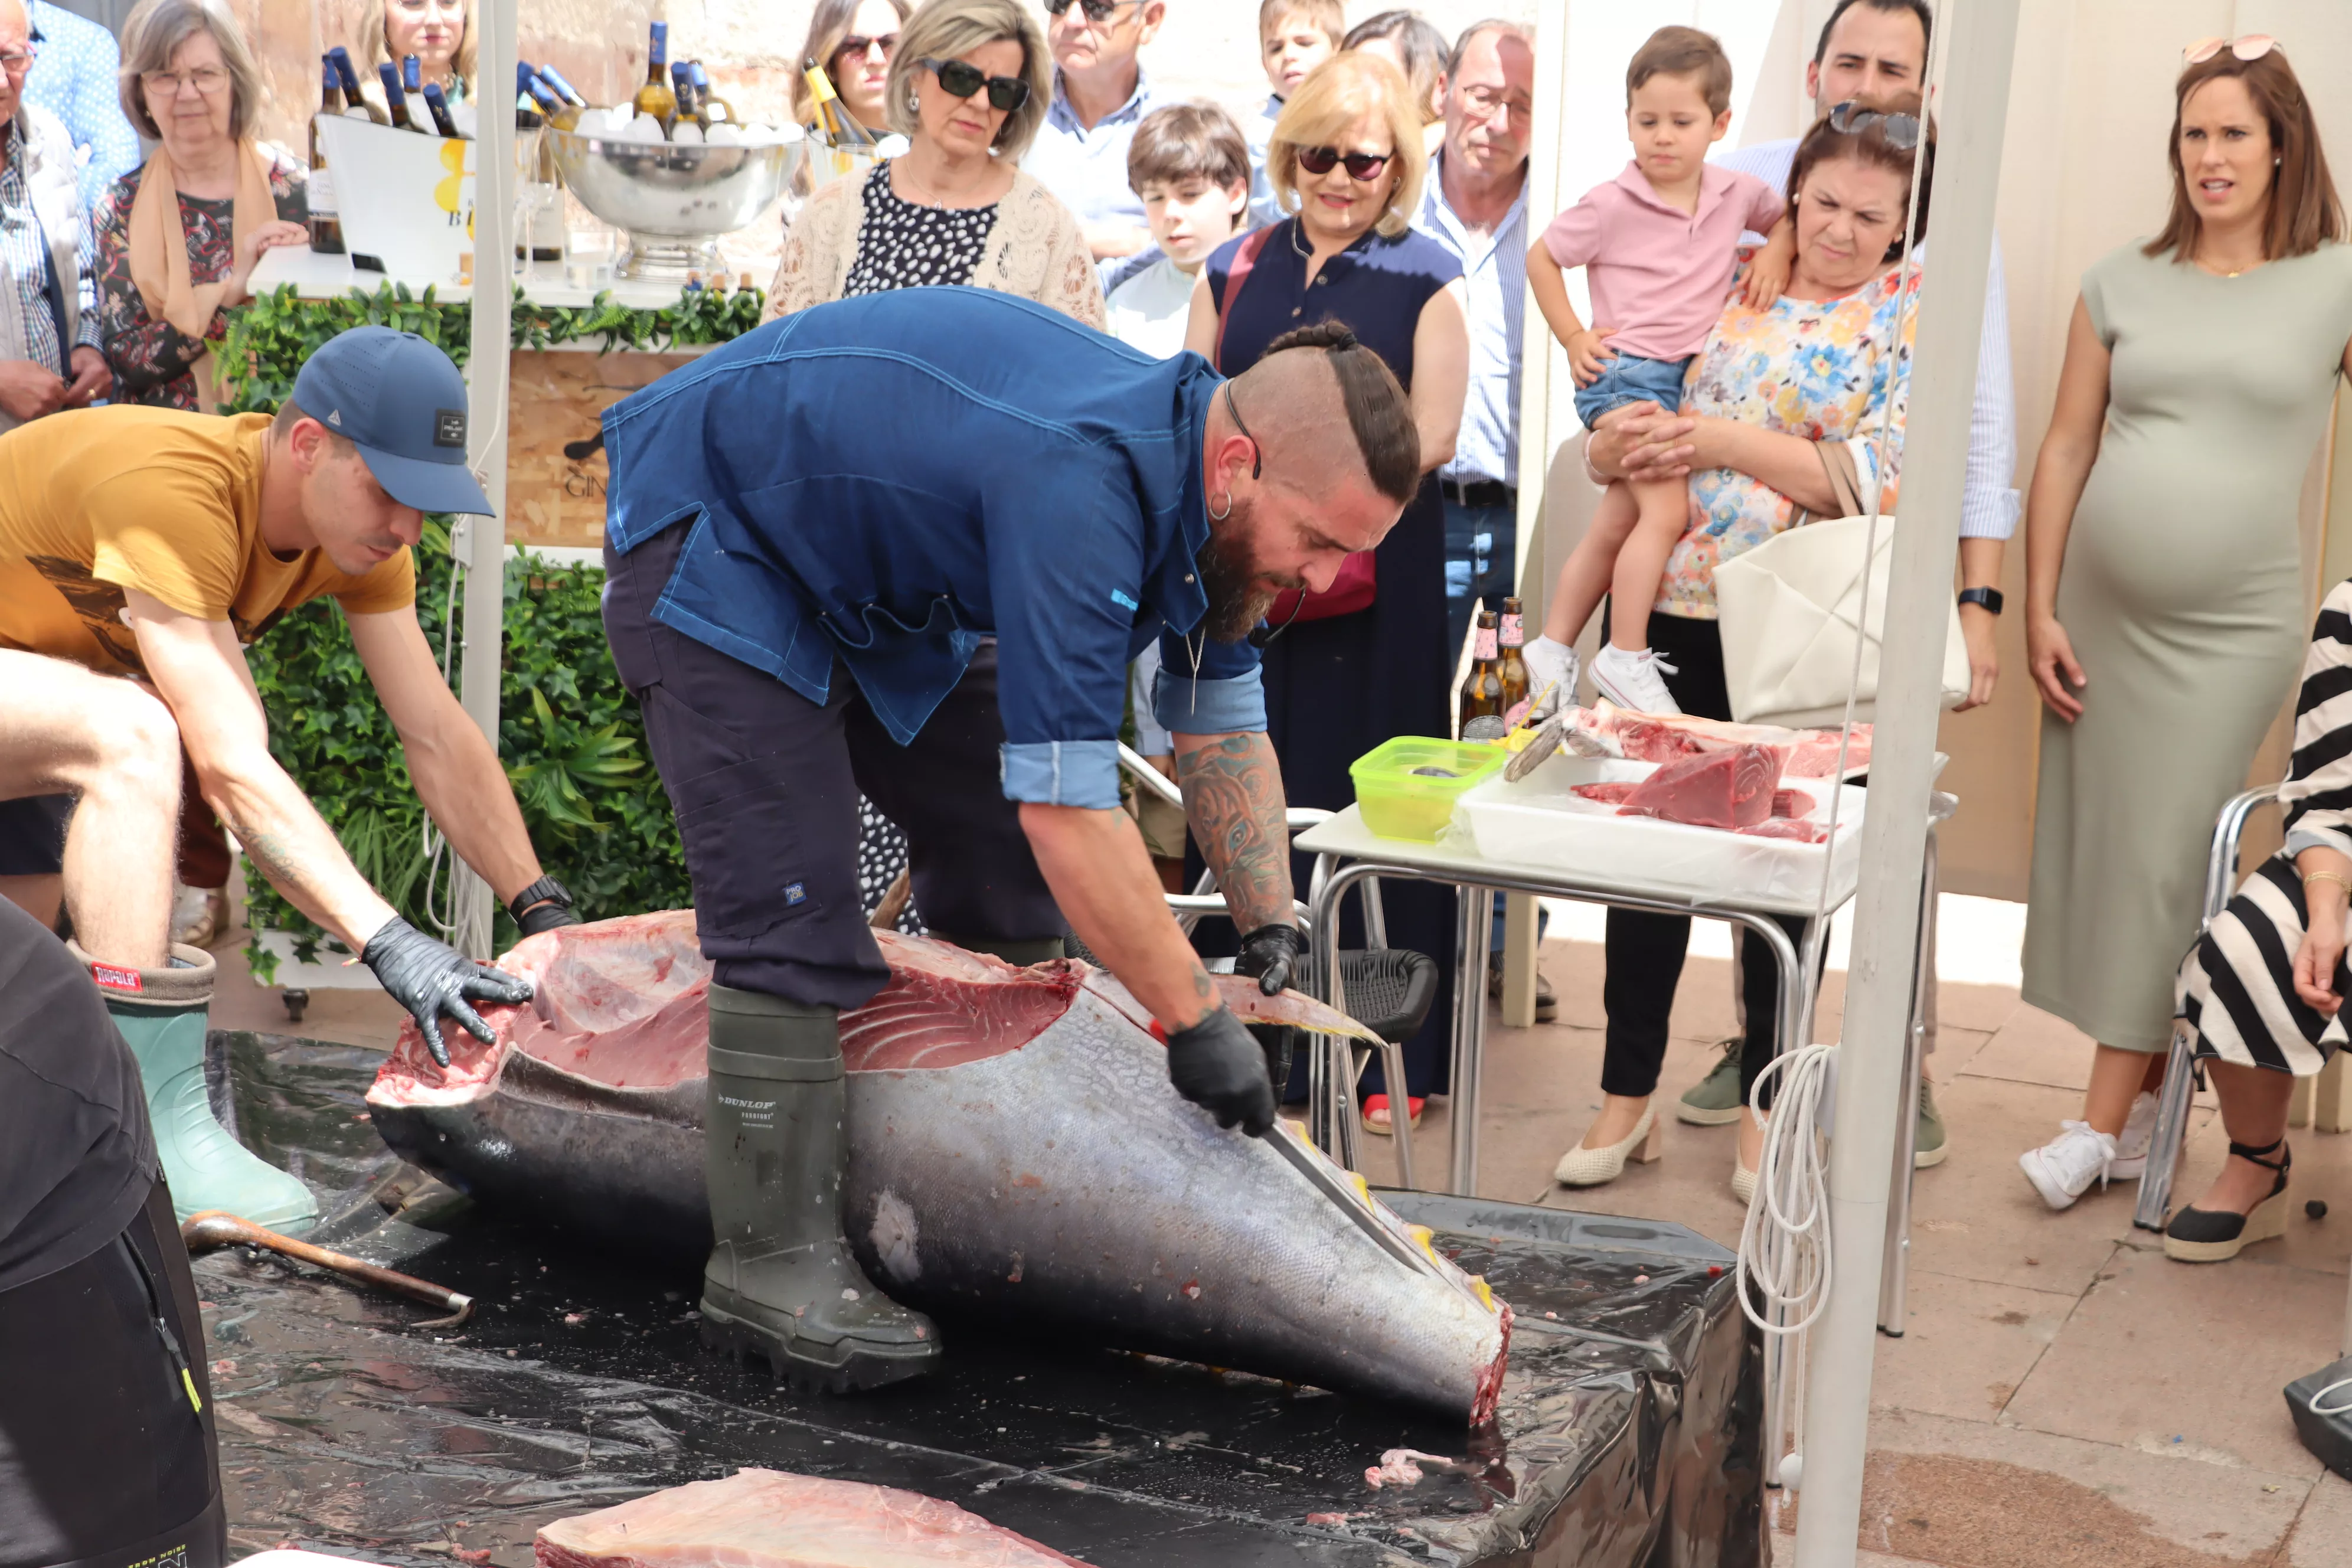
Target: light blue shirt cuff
(2303,838)
(1062,772)
(1189,707)
(1989,514)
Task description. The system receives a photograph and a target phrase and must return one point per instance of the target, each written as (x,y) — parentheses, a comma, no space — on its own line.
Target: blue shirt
(1086,167)
(75,78)
(1054,502)
(1495,276)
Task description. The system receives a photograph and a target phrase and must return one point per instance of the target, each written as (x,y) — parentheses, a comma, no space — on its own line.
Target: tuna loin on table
(1711,789)
(768,1519)
(1017,1154)
(1608,731)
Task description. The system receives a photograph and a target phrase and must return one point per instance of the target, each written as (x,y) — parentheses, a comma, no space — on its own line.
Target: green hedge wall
(569,733)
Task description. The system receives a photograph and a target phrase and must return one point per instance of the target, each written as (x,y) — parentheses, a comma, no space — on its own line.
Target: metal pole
(1981,40)
(483,547)
(1476,908)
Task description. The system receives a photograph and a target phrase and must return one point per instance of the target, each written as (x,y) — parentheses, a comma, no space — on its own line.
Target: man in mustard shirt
(139,549)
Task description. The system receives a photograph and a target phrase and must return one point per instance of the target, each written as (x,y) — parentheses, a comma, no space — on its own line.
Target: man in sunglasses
(809,605)
(1100,95)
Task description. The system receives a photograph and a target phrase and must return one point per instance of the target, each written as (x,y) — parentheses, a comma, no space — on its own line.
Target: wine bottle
(715,110)
(394,99)
(411,83)
(837,125)
(1482,694)
(654,100)
(553,109)
(436,104)
(563,88)
(354,100)
(326,221)
(1512,635)
(681,83)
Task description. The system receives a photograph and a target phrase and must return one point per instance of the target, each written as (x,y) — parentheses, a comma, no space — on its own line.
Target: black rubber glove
(430,978)
(1271,954)
(1216,1066)
(546,916)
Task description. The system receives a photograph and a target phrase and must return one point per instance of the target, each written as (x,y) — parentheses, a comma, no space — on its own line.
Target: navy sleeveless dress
(1336,689)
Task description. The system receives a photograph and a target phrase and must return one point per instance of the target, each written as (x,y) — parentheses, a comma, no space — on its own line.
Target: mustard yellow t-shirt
(98,500)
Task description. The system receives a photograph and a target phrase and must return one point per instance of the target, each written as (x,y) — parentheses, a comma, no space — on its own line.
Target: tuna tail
(1293,1007)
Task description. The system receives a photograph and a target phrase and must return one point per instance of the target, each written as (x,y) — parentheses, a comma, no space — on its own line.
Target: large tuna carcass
(1017,1154)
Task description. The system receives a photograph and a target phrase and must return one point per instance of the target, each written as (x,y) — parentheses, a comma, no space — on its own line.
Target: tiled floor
(2063,1394)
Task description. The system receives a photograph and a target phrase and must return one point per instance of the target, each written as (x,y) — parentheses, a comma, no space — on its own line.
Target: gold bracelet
(2335,876)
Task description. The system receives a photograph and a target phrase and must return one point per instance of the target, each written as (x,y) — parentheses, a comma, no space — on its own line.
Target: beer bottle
(1511,636)
(1481,695)
(655,100)
(326,222)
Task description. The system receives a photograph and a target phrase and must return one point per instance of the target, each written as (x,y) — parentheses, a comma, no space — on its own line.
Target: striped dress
(2235,995)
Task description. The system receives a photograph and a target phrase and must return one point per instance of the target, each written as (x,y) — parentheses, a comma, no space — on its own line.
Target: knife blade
(1333,1183)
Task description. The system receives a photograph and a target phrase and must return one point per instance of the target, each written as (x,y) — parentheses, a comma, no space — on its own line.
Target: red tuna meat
(1713,789)
(1607,794)
(1795,829)
(1791,803)
(768,1519)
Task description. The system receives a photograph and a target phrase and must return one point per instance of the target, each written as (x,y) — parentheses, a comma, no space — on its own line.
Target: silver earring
(1221,516)
(914,103)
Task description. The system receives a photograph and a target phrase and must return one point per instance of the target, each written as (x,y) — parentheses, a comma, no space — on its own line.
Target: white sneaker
(2063,1169)
(1551,678)
(1631,680)
(2131,1143)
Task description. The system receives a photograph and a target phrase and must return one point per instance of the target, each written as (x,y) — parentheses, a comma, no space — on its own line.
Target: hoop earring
(1221,516)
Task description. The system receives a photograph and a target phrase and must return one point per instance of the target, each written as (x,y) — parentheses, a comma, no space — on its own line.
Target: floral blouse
(151,358)
(1819,369)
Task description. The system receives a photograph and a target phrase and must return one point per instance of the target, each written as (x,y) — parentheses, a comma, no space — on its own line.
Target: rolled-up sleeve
(1065,570)
(1221,692)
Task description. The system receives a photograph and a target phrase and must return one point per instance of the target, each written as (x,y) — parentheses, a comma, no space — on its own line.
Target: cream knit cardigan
(1035,251)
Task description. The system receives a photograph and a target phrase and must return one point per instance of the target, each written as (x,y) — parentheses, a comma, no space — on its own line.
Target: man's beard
(1229,576)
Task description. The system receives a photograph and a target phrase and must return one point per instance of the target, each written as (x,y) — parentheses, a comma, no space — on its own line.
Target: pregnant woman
(2165,601)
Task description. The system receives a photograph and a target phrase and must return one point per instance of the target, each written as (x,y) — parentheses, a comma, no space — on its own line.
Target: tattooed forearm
(1232,796)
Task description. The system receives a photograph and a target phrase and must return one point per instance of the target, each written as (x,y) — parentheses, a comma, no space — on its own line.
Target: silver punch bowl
(672,201)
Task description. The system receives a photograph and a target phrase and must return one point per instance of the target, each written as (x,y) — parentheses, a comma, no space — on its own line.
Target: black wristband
(546,890)
(1987,599)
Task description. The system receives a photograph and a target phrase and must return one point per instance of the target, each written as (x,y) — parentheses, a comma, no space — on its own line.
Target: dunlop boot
(162,1015)
(781,1284)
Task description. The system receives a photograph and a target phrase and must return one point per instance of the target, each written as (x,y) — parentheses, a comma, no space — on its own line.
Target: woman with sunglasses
(967,86)
(2165,607)
(853,41)
(1346,160)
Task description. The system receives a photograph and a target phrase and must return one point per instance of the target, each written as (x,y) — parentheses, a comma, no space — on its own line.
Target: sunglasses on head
(1095,10)
(2253,47)
(1901,130)
(855,44)
(959,79)
(1360,166)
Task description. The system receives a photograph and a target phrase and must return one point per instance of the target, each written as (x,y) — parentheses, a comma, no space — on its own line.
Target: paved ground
(2063,1396)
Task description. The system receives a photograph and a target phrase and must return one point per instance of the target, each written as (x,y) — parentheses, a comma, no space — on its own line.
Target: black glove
(544,906)
(1271,953)
(430,978)
(1216,1066)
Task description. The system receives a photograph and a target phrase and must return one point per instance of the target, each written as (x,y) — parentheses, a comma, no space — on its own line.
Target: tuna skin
(1017,1155)
(770,1518)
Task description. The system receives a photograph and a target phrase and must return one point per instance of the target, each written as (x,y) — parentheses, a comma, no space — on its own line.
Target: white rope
(436,844)
(1785,1261)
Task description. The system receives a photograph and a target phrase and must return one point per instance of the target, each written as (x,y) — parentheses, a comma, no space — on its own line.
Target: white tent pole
(1973,111)
(483,547)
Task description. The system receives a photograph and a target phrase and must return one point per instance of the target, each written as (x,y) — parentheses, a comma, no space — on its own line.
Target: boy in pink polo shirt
(1658,245)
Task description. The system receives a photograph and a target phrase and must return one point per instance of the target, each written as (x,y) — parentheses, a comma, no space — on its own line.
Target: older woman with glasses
(853,41)
(178,237)
(1344,674)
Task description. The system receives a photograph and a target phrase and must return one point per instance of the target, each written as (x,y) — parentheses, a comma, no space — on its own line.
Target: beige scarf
(159,251)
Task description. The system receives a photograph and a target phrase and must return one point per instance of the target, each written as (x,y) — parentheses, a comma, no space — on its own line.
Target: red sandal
(1377,1104)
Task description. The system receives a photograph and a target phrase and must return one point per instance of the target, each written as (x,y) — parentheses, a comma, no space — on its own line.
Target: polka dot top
(904,246)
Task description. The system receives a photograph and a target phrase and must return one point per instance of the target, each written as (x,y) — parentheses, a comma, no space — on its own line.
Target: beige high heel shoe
(1582,1167)
(1743,1182)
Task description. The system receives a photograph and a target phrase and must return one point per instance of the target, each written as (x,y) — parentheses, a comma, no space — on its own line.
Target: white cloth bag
(1791,611)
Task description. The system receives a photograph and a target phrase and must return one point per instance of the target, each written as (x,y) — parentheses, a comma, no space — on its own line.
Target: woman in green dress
(2165,600)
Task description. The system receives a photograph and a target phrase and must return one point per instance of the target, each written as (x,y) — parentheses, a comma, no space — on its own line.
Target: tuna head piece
(1017,1154)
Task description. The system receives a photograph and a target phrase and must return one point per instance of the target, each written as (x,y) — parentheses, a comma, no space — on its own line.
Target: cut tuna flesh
(1791,803)
(1713,789)
(1608,731)
(768,1519)
(1016,1153)
(1797,830)
(1607,794)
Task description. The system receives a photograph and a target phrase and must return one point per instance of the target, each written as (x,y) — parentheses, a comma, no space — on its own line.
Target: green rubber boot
(162,1015)
(781,1284)
(1013,949)
(1713,1100)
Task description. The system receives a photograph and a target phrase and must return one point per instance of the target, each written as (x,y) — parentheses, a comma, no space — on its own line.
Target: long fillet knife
(1326,1178)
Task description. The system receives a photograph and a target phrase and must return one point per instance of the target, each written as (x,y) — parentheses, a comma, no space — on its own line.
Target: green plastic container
(1406,787)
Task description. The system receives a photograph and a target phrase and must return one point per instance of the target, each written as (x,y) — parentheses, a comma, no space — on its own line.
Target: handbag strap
(1235,275)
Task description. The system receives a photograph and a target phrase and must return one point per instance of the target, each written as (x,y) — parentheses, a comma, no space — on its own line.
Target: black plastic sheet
(1629,1432)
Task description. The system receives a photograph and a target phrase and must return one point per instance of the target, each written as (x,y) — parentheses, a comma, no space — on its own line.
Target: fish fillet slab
(770,1518)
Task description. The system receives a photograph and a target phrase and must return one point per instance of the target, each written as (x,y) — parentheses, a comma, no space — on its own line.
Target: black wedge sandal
(2214,1236)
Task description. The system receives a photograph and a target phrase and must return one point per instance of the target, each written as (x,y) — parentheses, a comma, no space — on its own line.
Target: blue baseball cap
(400,401)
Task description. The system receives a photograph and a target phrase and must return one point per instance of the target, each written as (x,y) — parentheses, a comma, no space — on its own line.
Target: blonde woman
(853,41)
(439,32)
(968,87)
(1346,158)
(178,237)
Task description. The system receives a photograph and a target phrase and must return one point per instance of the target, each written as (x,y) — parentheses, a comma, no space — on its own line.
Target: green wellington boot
(1713,1100)
(162,1016)
(780,1284)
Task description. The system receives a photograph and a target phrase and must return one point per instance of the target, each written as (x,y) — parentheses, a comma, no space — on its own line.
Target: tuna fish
(768,1519)
(1017,1154)
(1610,732)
